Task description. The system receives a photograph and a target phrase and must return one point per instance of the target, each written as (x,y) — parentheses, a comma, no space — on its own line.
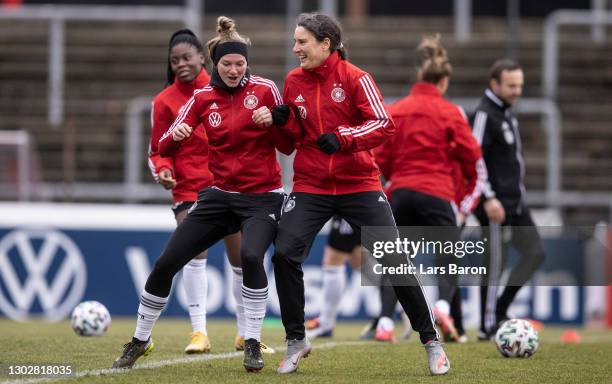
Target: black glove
(328,143)
(280,115)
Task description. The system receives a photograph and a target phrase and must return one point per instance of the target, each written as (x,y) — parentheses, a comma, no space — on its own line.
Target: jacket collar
(327,66)
(489,94)
(424,88)
(217,82)
(200,81)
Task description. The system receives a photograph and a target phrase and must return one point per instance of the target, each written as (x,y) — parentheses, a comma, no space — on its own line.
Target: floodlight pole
(462,14)
(329,7)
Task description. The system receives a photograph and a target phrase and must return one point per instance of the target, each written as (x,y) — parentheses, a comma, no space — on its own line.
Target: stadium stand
(107,64)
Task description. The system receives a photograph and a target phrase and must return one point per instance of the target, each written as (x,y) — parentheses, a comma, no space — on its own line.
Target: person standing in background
(495,127)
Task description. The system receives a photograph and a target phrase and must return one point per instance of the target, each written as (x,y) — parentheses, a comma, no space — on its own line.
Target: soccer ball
(517,338)
(90,318)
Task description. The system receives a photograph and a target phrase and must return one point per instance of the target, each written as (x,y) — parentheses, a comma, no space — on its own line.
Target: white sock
(237,292)
(334,283)
(255,301)
(149,310)
(196,290)
(385,323)
(442,306)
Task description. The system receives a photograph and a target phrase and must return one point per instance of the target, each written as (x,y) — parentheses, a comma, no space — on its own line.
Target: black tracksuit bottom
(304,215)
(217,214)
(413,208)
(525,238)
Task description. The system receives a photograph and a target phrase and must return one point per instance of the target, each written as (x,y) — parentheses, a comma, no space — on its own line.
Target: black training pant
(216,215)
(303,217)
(413,208)
(527,241)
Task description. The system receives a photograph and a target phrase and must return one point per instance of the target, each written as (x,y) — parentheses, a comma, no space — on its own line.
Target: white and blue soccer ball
(90,318)
(517,338)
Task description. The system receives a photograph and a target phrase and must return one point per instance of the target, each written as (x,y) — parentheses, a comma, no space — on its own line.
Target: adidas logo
(273,216)
(381,199)
(214,106)
(299,99)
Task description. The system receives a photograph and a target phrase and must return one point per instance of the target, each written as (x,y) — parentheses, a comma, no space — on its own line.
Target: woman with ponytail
(185,173)
(245,193)
(433,139)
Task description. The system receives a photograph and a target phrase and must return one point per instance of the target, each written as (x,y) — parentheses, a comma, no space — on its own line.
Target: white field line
(165,363)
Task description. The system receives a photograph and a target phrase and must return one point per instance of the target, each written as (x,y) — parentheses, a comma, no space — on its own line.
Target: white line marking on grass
(165,363)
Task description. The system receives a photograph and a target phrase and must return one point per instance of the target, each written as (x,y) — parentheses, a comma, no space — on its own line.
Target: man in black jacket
(503,202)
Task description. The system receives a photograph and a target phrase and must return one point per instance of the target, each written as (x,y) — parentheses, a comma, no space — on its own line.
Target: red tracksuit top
(340,98)
(467,196)
(189,165)
(242,155)
(432,134)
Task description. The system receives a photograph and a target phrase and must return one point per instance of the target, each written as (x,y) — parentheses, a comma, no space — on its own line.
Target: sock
(385,323)
(237,292)
(149,310)
(334,282)
(196,289)
(442,306)
(255,301)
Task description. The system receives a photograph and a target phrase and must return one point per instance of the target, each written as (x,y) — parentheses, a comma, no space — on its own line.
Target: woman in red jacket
(246,193)
(185,174)
(338,118)
(433,138)
(185,74)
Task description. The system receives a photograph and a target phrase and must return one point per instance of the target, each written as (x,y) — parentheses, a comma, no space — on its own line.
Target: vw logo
(214,119)
(41,264)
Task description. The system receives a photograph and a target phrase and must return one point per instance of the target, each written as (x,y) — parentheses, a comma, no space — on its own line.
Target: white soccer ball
(517,338)
(90,318)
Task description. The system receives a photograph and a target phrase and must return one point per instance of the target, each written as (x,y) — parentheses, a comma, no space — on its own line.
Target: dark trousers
(216,215)
(457,313)
(526,240)
(303,217)
(413,208)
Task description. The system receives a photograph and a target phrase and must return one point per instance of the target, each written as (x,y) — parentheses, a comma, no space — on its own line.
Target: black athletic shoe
(253,359)
(132,351)
(485,336)
(369,331)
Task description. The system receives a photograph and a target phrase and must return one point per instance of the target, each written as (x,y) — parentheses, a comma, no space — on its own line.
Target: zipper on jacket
(331,157)
(231,134)
(319,108)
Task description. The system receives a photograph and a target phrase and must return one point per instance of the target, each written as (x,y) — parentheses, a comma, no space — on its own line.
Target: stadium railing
(190,14)
(16,179)
(550,54)
(134,189)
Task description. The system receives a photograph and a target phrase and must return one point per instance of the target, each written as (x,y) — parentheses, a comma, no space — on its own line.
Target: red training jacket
(242,155)
(432,134)
(336,97)
(466,196)
(189,165)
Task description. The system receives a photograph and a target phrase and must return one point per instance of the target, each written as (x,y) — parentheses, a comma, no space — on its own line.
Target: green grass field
(342,359)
